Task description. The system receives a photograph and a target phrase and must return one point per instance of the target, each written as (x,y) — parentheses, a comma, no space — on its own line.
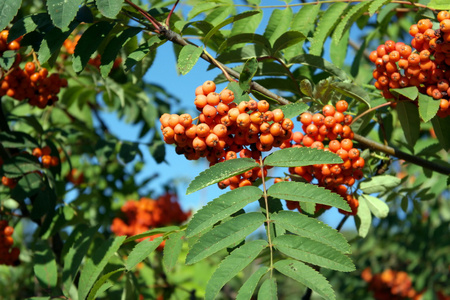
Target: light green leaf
(172,250)
(109,8)
(428,107)
(248,288)
(221,171)
(53,41)
(95,264)
(307,276)
(247,25)
(268,290)
(278,24)
(439,4)
(293,110)
(297,157)
(379,184)
(338,53)
(313,252)
(409,92)
(224,235)
(441,128)
(8,10)
(248,71)
(326,25)
(408,114)
(100,283)
(141,251)
(352,90)
(311,228)
(244,38)
(151,232)
(222,207)
(363,218)
(232,265)
(201,7)
(378,207)
(304,192)
(376,5)
(188,57)
(62,12)
(320,63)
(28,24)
(287,39)
(354,13)
(44,266)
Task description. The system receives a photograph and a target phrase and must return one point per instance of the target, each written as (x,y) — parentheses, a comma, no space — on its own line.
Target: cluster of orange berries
(75,176)
(5,46)
(426,67)
(37,86)
(330,131)
(147,214)
(8,255)
(390,284)
(226,128)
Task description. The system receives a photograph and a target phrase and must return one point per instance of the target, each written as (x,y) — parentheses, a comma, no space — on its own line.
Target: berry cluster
(226,128)
(5,46)
(427,67)
(8,255)
(330,131)
(75,176)
(35,85)
(390,285)
(147,213)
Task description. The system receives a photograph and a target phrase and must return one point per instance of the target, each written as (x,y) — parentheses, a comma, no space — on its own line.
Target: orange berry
(263,106)
(227,96)
(30,67)
(278,115)
(46,150)
(213,99)
(208,87)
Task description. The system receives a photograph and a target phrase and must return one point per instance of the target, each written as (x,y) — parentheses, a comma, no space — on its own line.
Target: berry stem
(220,66)
(266,202)
(370,110)
(170,14)
(152,20)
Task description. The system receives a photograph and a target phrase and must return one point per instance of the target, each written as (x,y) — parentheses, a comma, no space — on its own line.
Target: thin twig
(170,14)
(266,202)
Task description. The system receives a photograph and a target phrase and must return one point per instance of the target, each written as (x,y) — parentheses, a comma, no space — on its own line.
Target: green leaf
(222,207)
(354,13)
(376,5)
(278,24)
(287,39)
(53,41)
(158,150)
(99,283)
(44,266)
(221,171)
(201,7)
(128,151)
(268,290)
(228,21)
(307,276)
(305,192)
(95,264)
(239,94)
(293,110)
(439,5)
(378,207)
(20,165)
(172,250)
(8,9)
(428,107)
(141,251)
(441,128)
(247,25)
(246,76)
(28,24)
(113,48)
(326,25)
(248,288)
(224,235)
(17,139)
(338,53)
(363,218)
(408,114)
(409,92)
(244,38)
(318,62)
(379,184)
(7,59)
(142,51)
(109,8)
(232,265)
(152,232)
(297,157)
(188,57)
(352,90)
(62,12)
(313,252)
(311,228)
(88,44)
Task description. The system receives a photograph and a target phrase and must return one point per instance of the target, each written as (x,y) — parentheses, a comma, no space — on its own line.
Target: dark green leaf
(408,114)
(62,12)
(409,92)
(128,151)
(287,39)
(352,90)
(297,157)
(441,128)
(224,235)
(278,24)
(141,251)
(28,24)
(88,44)
(428,107)
(363,218)
(313,252)
(244,38)
(232,265)
(219,172)
(17,139)
(95,264)
(268,290)
(172,250)
(8,9)
(305,192)
(7,59)
(44,265)
(20,165)
(158,150)
(99,283)
(379,184)
(188,57)
(109,8)
(53,41)
(246,76)
(142,51)
(311,228)
(318,62)
(378,207)
(307,276)
(248,288)
(222,207)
